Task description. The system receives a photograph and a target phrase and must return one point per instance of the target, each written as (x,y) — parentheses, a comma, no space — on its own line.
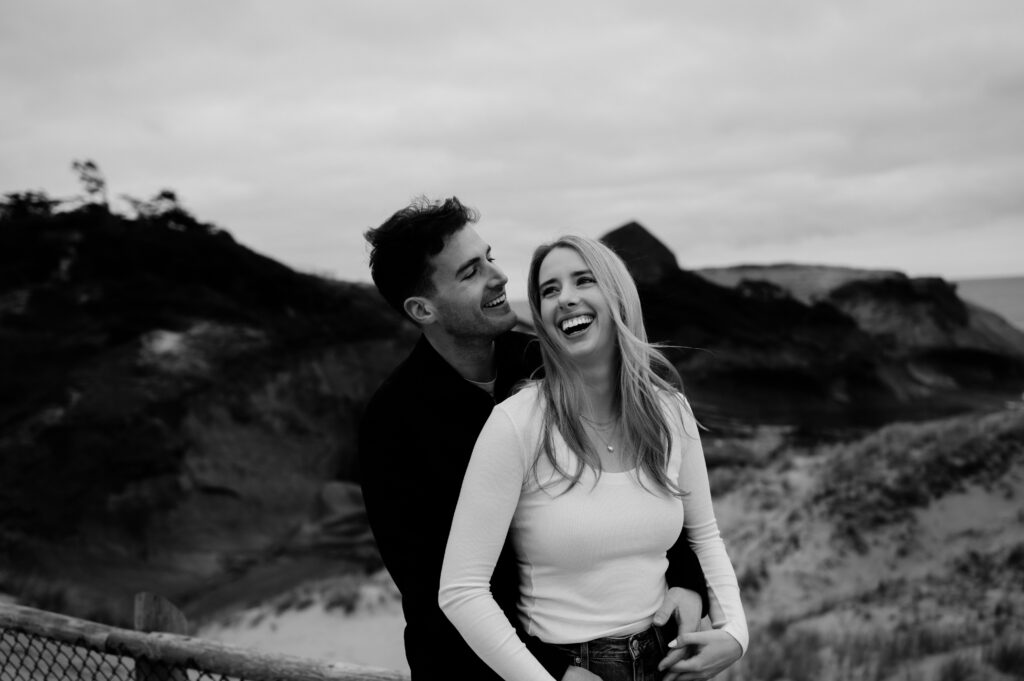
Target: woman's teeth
(574,324)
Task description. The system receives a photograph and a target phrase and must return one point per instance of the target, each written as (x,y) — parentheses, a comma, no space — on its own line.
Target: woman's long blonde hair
(643,372)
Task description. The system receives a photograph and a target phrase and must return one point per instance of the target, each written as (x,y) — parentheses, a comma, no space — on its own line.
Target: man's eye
(469,273)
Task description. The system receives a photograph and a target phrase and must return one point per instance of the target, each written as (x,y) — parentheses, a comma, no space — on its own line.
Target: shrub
(960,668)
(1007,656)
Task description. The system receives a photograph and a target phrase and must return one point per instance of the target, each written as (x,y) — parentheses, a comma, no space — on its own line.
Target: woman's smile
(577,324)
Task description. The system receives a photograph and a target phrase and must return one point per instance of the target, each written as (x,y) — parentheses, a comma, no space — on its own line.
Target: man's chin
(504,322)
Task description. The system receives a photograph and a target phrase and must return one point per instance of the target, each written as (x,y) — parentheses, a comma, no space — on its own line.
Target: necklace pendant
(610,448)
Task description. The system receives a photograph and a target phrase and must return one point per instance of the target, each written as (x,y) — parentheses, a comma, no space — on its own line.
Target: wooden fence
(36,645)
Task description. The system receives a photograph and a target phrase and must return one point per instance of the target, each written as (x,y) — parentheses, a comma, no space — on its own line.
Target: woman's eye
(586,279)
(469,274)
(545,292)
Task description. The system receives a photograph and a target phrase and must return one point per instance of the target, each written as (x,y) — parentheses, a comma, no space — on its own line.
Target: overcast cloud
(870,134)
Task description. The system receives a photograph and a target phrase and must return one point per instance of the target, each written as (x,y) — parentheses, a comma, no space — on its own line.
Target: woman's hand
(710,652)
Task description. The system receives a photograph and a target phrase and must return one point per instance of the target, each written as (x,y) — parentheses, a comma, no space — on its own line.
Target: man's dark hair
(401,247)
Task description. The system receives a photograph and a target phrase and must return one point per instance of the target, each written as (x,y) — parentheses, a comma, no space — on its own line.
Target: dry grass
(881,479)
(920,653)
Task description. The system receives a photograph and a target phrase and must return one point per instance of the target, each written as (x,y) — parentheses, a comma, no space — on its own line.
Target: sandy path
(354,619)
(372,638)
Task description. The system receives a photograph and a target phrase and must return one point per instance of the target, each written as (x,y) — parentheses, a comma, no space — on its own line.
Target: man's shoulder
(518,352)
(398,392)
(398,381)
(517,340)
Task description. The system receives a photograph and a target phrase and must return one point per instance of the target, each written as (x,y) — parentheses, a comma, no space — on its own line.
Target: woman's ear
(420,310)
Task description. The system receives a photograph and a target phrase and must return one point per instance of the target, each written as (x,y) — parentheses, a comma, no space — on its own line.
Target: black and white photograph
(571,340)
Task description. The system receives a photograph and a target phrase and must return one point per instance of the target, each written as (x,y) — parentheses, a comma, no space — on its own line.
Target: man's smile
(495,302)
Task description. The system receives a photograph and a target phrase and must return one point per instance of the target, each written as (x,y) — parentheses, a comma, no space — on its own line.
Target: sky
(873,134)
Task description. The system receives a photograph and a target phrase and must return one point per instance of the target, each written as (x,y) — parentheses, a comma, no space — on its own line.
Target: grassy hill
(898,554)
(172,404)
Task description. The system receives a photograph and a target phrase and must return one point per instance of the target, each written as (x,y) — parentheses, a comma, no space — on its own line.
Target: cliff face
(816,345)
(923,312)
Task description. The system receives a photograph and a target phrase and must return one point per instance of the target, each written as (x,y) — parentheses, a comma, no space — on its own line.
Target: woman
(596,468)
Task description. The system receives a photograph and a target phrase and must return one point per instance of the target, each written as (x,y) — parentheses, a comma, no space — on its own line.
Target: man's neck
(472,358)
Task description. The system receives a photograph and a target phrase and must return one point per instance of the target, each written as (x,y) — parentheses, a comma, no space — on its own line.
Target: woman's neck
(600,384)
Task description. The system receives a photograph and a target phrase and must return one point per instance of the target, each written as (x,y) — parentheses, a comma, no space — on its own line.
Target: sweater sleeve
(704,536)
(490,494)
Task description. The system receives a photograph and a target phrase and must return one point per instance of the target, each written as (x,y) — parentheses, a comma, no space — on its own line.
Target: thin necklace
(607,442)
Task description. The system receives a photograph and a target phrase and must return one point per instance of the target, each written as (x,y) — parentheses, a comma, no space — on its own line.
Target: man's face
(469,288)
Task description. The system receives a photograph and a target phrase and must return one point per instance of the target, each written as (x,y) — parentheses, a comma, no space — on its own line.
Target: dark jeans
(615,658)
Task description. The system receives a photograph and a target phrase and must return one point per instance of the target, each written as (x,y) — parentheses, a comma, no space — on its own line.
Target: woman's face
(574,311)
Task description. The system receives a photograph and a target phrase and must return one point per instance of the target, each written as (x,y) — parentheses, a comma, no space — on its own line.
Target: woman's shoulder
(677,408)
(672,398)
(523,401)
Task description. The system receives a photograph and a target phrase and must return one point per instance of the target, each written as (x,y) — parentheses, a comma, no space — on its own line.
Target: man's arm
(410,525)
(686,600)
(684,571)
(403,517)
(386,491)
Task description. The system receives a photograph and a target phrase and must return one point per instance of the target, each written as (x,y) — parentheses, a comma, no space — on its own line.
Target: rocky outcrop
(821,346)
(649,260)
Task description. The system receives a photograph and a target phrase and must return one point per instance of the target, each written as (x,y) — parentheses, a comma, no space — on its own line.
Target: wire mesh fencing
(27,657)
(30,657)
(40,646)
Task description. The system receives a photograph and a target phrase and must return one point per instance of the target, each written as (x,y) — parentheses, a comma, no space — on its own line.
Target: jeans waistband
(630,646)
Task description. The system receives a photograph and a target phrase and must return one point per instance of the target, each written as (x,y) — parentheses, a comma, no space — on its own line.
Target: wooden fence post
(155,613)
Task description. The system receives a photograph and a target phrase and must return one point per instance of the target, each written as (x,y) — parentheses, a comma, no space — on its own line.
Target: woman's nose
(568,297)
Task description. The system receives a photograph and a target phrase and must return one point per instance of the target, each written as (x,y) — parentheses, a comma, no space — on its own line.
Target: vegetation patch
(882,478)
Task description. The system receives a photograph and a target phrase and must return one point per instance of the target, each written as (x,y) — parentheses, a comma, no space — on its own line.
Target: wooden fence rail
(162,651)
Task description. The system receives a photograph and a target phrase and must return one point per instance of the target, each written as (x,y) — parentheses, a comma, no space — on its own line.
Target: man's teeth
(573,322)
(497,301)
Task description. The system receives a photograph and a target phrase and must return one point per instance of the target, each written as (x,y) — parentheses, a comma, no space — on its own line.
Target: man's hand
(579,674)
(712,650)
(684,605)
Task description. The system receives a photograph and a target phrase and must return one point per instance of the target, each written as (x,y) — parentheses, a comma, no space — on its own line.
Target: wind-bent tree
(93,182)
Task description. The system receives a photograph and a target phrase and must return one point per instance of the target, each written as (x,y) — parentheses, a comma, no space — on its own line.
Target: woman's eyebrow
(577,273)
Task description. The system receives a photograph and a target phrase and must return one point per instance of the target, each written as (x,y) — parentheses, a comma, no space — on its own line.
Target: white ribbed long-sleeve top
(592,559)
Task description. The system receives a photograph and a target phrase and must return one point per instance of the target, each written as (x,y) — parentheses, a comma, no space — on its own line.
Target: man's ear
(420,310)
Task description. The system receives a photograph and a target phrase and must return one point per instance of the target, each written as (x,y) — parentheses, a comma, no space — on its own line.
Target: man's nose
(498,277)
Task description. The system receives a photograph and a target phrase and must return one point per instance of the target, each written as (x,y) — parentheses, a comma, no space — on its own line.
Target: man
(420,427)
